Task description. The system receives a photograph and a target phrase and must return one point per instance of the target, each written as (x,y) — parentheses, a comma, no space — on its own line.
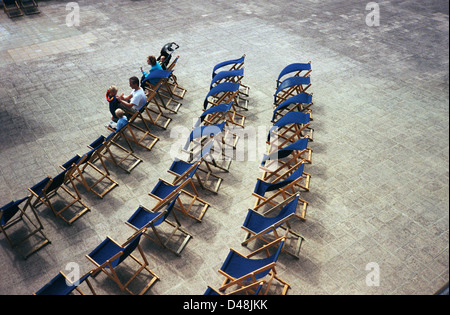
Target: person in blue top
(151,60)
(122,119)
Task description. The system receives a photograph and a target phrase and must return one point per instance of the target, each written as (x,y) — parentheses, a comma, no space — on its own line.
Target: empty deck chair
(165,191)
(121,155)
(95,179)
(258,226)
(45,191)
(289,129)
(231,65)
(297,103)
(290,87)
(11,8)
(29,6)
(242,270)
(207,180)
(233,76)
(251,289)
(149,220)
(294,70)
(219,113)
(61,285)
(110,254)
(159,94)
(224,93)
(15,212)
(283,170)
(269,194)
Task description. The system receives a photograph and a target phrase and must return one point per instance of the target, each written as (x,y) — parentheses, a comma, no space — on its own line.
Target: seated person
(136,100)
(121,122)
(151,60)
(111,94)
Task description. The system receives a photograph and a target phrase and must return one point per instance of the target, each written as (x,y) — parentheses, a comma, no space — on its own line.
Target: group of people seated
(119,105)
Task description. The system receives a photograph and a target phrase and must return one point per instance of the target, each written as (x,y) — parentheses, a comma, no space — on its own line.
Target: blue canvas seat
(295,70)
(241,270)
(220,113)
(61,285)
(12,9)
(22,238)
(160,94)
(290,87)
(288,129)
(259,226)
(224,93)
(297,103)
(231,65)
(45,191)
(165,191)
(175,89)
(110,254)
(144,218)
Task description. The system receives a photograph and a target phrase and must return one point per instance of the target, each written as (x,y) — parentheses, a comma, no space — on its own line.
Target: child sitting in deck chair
(111,94)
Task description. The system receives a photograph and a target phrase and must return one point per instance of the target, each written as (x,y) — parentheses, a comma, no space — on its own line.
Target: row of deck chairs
(204,150)
(16,8)
(278,192)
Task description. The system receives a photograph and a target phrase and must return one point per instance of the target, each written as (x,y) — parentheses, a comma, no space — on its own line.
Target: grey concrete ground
(379,188)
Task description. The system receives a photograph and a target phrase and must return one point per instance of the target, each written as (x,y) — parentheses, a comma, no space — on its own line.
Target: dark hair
(134,80)
(152,60)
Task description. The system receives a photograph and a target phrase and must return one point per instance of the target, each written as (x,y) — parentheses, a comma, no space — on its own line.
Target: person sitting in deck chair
(136,100)
(151,60)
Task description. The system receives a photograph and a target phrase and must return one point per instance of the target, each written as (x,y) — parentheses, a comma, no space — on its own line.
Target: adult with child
(136,100)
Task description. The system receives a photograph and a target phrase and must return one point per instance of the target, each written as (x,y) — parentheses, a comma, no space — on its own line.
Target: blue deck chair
(267,193)
(232,65)
(29,7)
(241,270)
(297,103)
(165,191)
(208,180)
(109,255)
(61,285)
(290,87)
(98,180)
(160,94)
(224,93)
(295,70)
(12,9)
(121,155)
(45,191)
(258,226)
(15,212)
(234,76)
(144,218)
(173,84)
(251,289)
(288,129)
(220,113)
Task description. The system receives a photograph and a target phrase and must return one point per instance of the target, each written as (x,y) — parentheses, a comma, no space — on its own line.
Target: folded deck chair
(224,93)
(162,96)
(109,255)
(29,6)
(242,270)
(11,8)
(288,129)
(62,285)
(290,87)
(151,221)
(15,212)
(269,194)
(294,70)
(121,155)
(45,191)
(231,65)
(297,103)
(164,191)
(258,226)
(220,113)
(207,179)
(251,289)
(90,170)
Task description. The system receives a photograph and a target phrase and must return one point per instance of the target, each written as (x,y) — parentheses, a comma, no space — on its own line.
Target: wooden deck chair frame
(298,151)
(295,70)
(115,158)
(233,76)
(283,223)
(219,113)
(107,267)
(47,192)
(282,135)
(81,163)
(296,103)
(155,116)
(71,286)
(284,190)
(32,221)
(291,87)
(172,84)
(137,134)
(234,64)
(12,9)
(231,281)
(225,92)
(29,6)
(178,188)
(156,236)
(159,94)
(251,289)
